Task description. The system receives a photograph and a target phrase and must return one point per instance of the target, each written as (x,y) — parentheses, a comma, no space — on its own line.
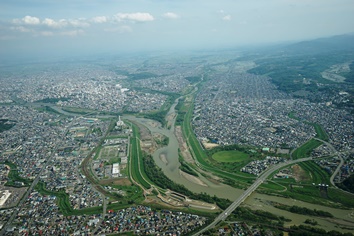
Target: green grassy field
(317,174)
(306,149)
(320,132)
(230,156)
(133,194)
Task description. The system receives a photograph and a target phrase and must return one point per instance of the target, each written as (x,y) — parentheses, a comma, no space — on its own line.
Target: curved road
(339,156)
(248,192)
(262,178)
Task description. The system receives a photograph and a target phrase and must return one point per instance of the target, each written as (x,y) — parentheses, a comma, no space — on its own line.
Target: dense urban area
(73,162)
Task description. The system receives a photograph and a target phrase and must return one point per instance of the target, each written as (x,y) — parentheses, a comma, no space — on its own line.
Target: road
(248,192)
(36,180)
(340,158)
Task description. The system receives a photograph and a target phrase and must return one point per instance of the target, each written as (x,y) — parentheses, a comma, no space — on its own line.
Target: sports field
(109,152)
(230,156)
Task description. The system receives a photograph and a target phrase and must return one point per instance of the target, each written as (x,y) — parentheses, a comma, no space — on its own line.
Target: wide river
(343,218)
(343,221)
(171,168)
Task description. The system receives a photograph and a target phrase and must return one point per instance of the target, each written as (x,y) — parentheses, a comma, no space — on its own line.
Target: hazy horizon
(63,28)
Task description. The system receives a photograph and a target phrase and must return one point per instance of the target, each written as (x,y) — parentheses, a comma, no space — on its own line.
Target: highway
(261,179)
(248,192)
(334,151)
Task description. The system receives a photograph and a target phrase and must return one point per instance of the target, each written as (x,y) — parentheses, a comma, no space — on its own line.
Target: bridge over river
(248,192)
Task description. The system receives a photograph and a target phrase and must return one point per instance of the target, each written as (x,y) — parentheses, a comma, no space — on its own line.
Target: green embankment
(306,149)
(320,132)
(137,165)
(202,158)
(48,109)
(14,179)
(305,192)
(62,201)
(318,175)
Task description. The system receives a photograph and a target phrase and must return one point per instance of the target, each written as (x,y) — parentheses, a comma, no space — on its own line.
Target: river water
(256,201)
(344,218)
(171,168)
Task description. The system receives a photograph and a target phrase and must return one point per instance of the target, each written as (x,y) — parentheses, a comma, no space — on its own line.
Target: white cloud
(54,24)
(36,22)
(227,18)
(80,23)
(138,17)
(21,29)
(170,15)
(30,20)
(100,19)
(27,20)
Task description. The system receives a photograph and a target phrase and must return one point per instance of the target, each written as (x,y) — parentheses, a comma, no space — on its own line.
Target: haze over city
(40,27)
(165,117)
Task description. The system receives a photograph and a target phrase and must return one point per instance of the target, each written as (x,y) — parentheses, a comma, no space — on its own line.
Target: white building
(115,170)
(4,195)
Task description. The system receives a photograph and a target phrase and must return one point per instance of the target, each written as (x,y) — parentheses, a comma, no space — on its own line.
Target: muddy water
(342,218)
(171,169)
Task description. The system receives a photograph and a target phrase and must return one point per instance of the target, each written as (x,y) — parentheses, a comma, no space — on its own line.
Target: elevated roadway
(248,192)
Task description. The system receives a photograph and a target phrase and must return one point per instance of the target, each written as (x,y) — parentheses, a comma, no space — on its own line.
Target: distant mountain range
(321,45)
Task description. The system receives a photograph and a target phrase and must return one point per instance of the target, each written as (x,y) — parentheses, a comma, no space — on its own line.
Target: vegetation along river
(343,219)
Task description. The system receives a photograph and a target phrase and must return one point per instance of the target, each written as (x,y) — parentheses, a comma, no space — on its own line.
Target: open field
(230,156)
(109,152)
(116,181)
(306,149)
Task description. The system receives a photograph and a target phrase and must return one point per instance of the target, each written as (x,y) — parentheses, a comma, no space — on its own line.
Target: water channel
(256,201)
(171,168)
(343,220)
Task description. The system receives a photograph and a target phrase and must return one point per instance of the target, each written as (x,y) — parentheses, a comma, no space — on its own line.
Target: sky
(49,27)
